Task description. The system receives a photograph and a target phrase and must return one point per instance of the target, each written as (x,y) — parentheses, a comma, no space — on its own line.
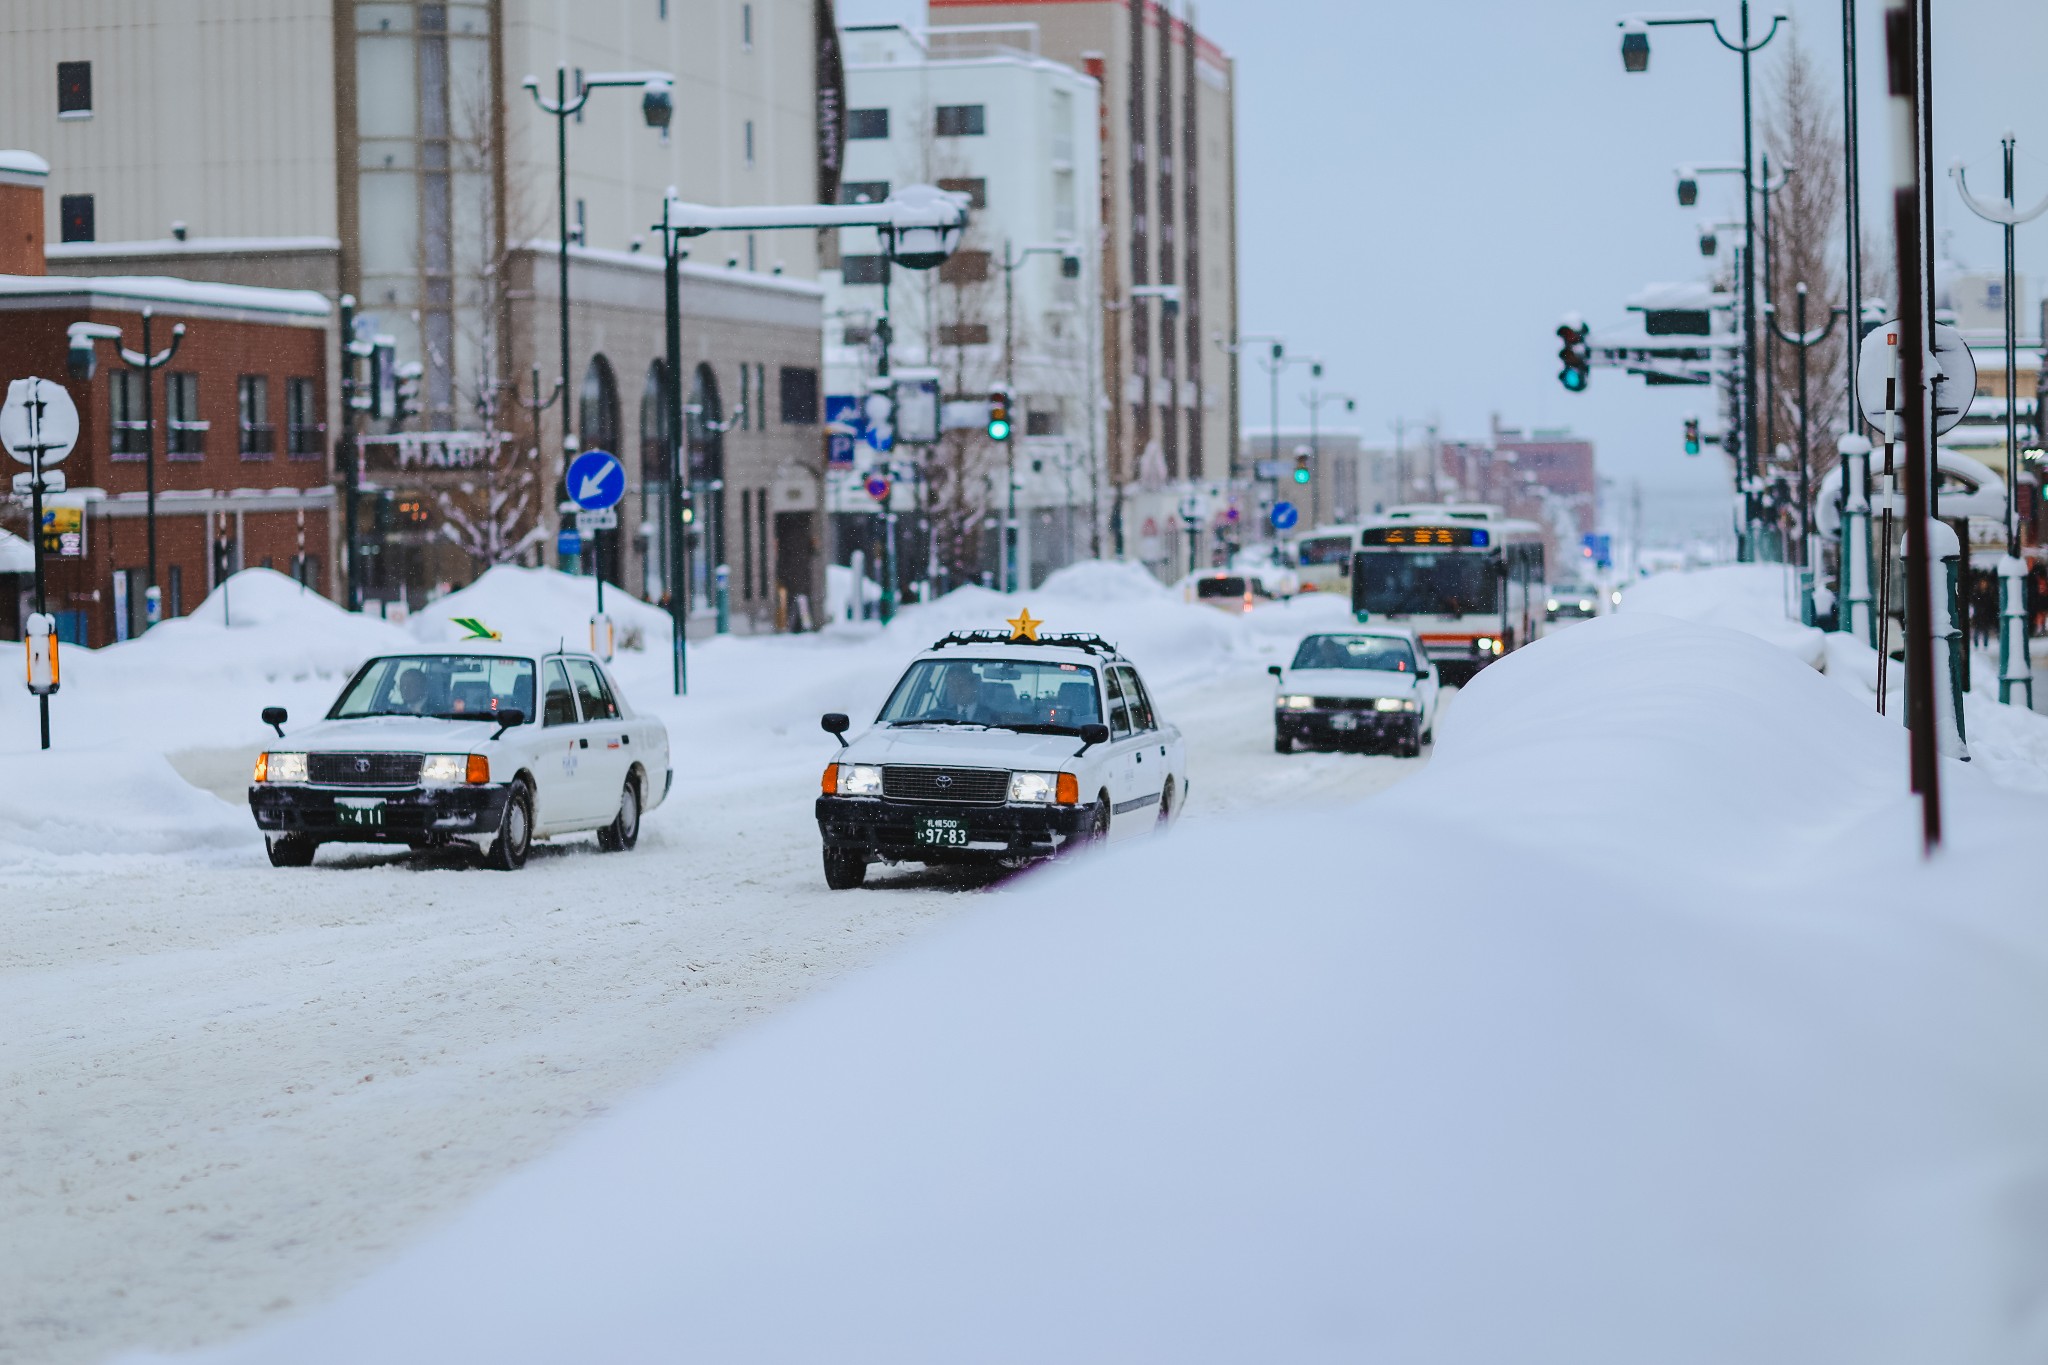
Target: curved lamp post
(83,359)
(1805,341)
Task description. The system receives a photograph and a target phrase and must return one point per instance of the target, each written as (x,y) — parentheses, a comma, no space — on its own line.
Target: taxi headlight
(281,768)
(860,779)
(445,768)
(1393,704)
(1034,787)
(1550,605)
(1586,604)
(1615,597)
(1297,703)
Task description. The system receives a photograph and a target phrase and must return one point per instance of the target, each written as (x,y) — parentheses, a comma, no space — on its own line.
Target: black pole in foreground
(672,398)
(1901,51)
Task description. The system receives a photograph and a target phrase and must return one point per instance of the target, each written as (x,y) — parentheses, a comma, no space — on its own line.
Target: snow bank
(1717,1071)
(538,606)
(2007,744)
(1102,580)
(56,808)
(1751,598)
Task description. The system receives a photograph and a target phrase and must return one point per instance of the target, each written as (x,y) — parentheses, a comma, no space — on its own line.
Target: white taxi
(477,743)
(1371,687)
(1001,748)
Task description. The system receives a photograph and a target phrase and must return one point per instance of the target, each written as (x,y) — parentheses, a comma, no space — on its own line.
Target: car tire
(1429,735)
(508,851)
(624,830)
(1166,805)
(845,868)
(1282,744)
(291,850)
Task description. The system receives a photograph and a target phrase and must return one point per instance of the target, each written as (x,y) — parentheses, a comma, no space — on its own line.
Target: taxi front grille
(981,786)
(364,770)
(1344,703)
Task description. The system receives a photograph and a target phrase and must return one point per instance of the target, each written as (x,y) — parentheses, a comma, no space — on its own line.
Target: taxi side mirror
(508,717)
(1092,735)
(1274,669)
(836,725)
(275,717)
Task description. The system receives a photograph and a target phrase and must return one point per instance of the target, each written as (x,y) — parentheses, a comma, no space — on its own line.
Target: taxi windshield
(447,686)
(1000,694)
(1355,651)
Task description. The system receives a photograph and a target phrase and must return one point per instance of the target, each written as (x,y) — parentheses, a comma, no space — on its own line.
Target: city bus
(1324,557)
(1467,579)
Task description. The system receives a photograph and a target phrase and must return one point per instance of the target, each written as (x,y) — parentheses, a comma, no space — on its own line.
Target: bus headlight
(1485,643)
(1297,703)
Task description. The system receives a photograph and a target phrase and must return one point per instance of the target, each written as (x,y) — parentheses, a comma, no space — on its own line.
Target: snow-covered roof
(164,289)
(651,261)
(190,246)
(22,168)
(1686,294)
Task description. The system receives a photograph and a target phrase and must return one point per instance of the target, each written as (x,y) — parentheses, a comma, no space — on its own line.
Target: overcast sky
(1424,189)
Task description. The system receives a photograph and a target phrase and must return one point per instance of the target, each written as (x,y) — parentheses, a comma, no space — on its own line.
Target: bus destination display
(1424,535)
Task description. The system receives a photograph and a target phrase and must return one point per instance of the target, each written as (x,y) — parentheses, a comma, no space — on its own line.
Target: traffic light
(999,415)
(1301,473)
(1574,355)
(410,375)
(1692,435)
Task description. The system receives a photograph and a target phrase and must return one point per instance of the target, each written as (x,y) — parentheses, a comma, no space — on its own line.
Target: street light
(82,358)
(657,107)
(1635,57)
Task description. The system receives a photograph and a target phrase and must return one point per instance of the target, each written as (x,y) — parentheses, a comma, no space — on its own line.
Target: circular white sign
(38,413)
(1877,367)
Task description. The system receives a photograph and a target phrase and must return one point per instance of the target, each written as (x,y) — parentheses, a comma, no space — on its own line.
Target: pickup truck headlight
(1037,788)
(860,779)
(1393,704)
(280,767)
(455,768)
(1297,703)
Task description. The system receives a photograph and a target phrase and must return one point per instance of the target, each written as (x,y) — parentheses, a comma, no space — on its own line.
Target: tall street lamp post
(1804,341)
(1635,57)
(1071,264)
(82,358)
(657,106)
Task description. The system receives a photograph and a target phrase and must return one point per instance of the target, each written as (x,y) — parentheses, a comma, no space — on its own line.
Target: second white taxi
(1368,688)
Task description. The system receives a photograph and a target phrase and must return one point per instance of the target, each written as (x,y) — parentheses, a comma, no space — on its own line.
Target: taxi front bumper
(889,828)
(379,815)
(1346,727)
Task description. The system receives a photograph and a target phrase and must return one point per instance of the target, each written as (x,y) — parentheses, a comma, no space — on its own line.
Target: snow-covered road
(232,1089)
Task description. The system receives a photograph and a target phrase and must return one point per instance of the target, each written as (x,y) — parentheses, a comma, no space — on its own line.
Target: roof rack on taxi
(1093,644)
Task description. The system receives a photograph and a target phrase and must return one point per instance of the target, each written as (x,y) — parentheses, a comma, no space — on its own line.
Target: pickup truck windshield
(448,686)
(997,693)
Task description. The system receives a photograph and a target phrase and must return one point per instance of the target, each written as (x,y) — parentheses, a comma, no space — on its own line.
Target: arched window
(657,511)
(597,428)
(704,423)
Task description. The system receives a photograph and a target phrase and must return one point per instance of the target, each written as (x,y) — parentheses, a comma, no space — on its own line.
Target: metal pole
(886,330)
(352,586)
(1751,529)
(672,398)
(1913,332)
(1770,361)
(2015,668)
(1009,445)
(148,442)
(35,475)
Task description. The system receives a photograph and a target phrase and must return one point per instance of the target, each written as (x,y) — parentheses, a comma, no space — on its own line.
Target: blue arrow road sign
(1284,515)
(596,480)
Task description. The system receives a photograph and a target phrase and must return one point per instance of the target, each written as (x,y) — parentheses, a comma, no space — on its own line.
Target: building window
(964,334)
(965,267)
(302,419)
(799,396)
(1042,424)
(975,188)
(867,123)
(862,269)
(750,144)
(746,28)
(130,434)
(74,218)
(252,407)
(181,405)
(961,120)
(74,90)
(863,191)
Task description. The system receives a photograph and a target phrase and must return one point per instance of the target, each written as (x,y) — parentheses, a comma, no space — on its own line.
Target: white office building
(978,110)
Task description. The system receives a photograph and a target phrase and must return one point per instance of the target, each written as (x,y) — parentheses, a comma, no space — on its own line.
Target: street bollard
(1944,549)
(724,577)
(44,675)
(2015,662)
(1853,613)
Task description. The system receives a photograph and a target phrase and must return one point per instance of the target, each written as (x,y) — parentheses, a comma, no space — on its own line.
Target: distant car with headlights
(1371,688)
(1571,602)
(1234,590)
(478,744)
(1000,750)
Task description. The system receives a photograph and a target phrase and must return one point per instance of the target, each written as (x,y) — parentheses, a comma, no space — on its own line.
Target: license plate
(366,814)
(941,830)
(1343,720)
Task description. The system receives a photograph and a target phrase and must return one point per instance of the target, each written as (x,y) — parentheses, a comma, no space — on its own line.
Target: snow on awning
(16,554)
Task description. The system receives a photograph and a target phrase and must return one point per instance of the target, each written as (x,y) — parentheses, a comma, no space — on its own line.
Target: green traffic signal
(999,429)
(1301,474)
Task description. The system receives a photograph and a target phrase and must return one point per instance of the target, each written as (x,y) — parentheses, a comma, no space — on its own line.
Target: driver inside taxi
(960,698)
(412,692)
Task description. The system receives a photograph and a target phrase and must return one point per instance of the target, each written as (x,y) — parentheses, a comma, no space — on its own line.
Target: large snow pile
(541,606)
(1634,1029)
(1753,598)
(259,626)
(1102,580)
(57,809)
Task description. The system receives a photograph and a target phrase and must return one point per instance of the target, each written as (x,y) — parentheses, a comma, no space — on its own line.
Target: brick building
(238,438)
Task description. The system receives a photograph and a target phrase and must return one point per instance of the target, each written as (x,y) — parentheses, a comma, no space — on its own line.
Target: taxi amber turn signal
(262,768)
(479,769)
(1069,792)
(829,784)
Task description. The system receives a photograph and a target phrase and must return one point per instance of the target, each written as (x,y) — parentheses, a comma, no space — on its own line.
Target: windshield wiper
(1041,728)
(938,720)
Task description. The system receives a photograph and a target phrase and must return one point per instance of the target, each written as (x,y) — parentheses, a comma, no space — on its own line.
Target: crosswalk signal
(1692,435)
(999,415)
(1301,474)
(1575,355)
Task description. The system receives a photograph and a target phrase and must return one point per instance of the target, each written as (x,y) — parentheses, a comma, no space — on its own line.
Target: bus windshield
(1423,583)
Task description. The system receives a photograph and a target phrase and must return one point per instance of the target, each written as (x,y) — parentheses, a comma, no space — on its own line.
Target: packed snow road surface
(230,1089)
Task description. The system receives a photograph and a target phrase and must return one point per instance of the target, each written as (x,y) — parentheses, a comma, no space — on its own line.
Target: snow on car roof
(498,648)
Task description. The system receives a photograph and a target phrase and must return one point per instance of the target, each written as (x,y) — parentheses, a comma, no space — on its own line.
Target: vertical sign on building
(831,80)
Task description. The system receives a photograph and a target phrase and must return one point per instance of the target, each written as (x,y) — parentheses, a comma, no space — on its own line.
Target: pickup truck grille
(978,786)
(364,770)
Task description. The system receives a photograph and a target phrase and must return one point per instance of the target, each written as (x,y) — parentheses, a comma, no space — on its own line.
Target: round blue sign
(596,480)
(878,488)
(1284,515)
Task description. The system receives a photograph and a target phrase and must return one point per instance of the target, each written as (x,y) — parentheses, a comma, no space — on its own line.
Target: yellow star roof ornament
(1022,627)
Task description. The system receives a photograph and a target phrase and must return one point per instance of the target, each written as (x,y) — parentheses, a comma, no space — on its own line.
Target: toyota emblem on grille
(362,765)
(943,780)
